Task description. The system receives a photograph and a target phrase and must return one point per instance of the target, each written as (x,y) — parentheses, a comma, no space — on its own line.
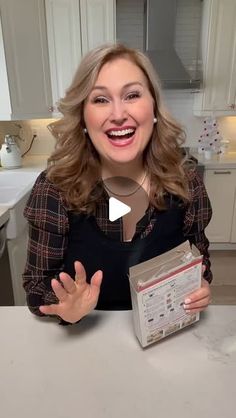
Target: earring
(154,120)
(85,130)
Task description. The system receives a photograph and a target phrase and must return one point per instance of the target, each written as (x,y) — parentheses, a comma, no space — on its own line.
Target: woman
(115,140)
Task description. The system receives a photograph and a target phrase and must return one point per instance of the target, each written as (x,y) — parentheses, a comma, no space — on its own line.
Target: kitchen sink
(10,195)
(15,187)
(16,179)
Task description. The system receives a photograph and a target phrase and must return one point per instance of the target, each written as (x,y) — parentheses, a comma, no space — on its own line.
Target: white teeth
(121,133)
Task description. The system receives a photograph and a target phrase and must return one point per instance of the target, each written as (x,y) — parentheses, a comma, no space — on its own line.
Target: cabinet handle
(51,108)
(222,172)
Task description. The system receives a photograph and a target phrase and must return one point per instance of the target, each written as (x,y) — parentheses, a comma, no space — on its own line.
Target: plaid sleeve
(48,227)
(197,217)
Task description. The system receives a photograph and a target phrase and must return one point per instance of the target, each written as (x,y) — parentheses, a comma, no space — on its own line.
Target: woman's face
(118,113)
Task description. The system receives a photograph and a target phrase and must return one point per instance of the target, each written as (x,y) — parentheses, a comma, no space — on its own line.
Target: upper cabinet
(41,45)
(219,59)
(5,102)
(64,44)
(98,23)
(24,47)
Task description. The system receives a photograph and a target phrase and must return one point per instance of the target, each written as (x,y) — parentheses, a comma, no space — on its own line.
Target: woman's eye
(133,95)
(100,100)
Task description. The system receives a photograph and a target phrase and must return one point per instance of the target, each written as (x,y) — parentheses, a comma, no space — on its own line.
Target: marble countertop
(97,368)
(221,161)
(30,163)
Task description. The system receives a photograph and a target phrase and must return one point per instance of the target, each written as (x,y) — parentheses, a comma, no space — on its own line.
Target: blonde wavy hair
(74,166)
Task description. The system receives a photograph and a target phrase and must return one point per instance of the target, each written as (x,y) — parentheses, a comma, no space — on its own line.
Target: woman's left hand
(198,300)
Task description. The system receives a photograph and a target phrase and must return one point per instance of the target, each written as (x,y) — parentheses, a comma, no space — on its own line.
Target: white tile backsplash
(187,32)
(179,103)
(129,22)
(44,143)
(228,129)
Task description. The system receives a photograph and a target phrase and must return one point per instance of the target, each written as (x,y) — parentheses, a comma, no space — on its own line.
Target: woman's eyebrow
(103,88)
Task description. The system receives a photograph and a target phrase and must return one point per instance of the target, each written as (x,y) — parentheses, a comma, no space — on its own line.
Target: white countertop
(221,161)
(30,163)
(34,164)
(98,369)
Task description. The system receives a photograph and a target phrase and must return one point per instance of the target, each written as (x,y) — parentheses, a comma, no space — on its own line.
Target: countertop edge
(4,215)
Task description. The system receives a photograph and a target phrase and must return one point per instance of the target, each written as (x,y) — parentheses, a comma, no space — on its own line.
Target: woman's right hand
(77,298)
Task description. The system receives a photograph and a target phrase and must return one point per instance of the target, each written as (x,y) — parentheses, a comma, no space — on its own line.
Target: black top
(97,251)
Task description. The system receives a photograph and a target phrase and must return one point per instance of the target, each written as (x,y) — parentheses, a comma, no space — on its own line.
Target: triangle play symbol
(117,209)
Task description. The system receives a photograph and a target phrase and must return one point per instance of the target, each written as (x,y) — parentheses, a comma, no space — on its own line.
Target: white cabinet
(218,96)
(24,44)
(17,250)
(73,28)
(233,230)
(97,23)
(64,43)
(221,188)
(5,101)
(41,46)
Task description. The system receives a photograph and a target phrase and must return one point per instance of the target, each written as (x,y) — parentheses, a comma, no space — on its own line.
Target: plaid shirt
(47,216)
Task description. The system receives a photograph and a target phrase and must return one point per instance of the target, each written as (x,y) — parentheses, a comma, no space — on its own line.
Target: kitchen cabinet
(17,251)
(27,89)
(41,46)
(73,28)
(98,27)
(233,230)
(221,188)
(218,47)
(5,101)
(64,43)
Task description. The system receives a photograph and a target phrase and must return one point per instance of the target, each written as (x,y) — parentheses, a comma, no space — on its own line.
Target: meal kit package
(159,287)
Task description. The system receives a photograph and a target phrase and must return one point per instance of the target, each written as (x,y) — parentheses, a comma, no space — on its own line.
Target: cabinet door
(221,186)
(219,59)
(25,42)
(5,102)
(233,231)
(97,23)
(64,43)
(17,250)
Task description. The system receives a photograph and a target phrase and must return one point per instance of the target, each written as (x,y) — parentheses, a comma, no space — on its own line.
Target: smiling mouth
(121,134)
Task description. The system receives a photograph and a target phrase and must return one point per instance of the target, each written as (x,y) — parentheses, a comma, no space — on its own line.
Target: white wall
(129,22)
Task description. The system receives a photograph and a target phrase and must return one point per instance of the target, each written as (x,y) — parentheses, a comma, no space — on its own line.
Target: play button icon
(123,196)
(117,209)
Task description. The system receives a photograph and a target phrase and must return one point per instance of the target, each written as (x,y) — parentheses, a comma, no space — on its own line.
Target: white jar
(10,154)
(200,150)
(224,146)
(207,154)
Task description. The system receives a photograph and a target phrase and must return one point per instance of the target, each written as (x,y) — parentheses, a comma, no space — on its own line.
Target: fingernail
(188,311)
(187,301)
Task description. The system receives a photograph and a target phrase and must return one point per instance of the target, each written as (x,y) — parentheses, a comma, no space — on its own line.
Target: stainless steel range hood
(159,35)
